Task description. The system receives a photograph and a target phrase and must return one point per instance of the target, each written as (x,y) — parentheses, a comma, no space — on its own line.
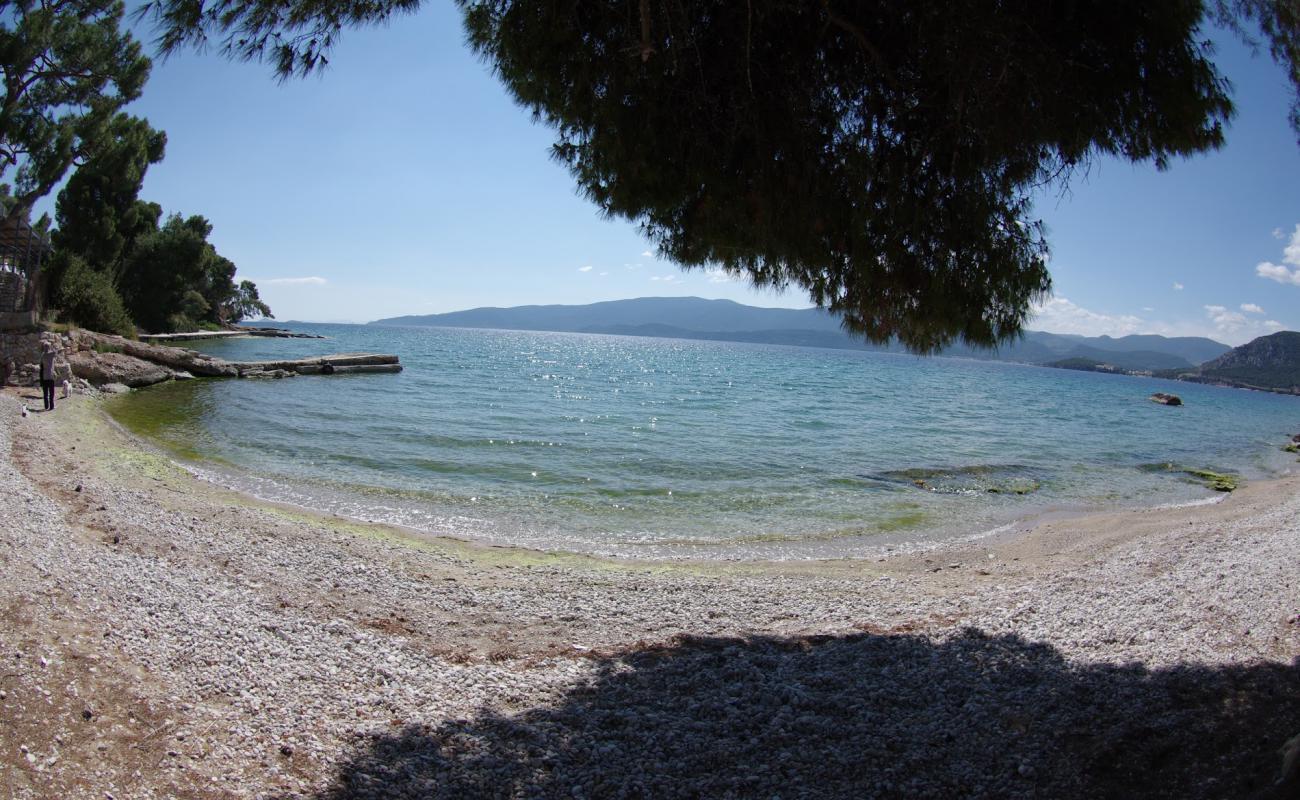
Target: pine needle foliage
(880,155)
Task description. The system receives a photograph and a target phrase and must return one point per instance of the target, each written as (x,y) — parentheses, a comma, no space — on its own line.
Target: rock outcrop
(104,368)
(174,358)
(101,359)
(1166,399)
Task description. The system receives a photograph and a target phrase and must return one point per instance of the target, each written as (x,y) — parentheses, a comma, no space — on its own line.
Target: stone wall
(13,291)
(23,351)
(17,320)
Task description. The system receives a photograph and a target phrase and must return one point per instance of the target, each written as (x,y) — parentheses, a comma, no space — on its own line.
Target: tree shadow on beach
(869,715)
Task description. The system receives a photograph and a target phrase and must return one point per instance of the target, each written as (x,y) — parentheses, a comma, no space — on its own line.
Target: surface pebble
(276,655)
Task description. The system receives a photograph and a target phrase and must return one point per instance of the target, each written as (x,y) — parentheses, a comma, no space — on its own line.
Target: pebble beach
(163,637)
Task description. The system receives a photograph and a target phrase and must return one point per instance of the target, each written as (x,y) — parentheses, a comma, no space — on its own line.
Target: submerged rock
(971,479)
(1015,487)
(1215,480)
(1218,481)
(1166,399)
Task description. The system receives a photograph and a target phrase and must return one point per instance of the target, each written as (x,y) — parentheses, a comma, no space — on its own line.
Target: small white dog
(67,389)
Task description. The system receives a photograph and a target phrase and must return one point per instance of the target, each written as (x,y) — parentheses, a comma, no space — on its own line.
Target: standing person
(47,374)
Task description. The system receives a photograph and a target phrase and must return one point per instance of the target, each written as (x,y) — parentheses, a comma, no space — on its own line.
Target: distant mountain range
(725,320)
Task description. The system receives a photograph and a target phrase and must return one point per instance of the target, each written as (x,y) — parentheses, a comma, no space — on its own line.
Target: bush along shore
(164,637)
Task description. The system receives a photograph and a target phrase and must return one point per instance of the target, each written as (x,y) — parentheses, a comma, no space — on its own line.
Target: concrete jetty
(341,364)
(232,333)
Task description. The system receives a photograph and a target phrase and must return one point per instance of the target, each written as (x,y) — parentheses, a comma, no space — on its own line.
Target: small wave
(969,480)
(1001,529)
(1203,501)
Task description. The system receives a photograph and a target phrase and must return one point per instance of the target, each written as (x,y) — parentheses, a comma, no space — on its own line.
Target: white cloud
(311,280)
(1147,308)
(718,276)
(1224,319)
(647,254)
(1178,287)
(603,274)
(1278,234)
(1251,308)
(664,278)
(1231,325)
(585,269)
(1291,256)
(1059,315)
(1277,272)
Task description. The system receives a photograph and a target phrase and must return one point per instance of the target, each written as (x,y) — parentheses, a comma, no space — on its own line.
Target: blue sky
(403,180)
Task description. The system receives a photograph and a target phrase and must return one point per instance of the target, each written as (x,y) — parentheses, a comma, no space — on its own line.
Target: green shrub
(88,298)
(178,323)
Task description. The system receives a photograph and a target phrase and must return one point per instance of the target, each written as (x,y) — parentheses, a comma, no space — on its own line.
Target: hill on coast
(725,320)
(1270,362)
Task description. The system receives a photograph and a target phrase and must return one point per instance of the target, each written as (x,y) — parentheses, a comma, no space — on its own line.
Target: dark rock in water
(1167,399)
(970,479)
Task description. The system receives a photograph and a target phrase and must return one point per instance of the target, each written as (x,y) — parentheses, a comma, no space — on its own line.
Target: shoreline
(882,545)
(1005,534)
(170,637)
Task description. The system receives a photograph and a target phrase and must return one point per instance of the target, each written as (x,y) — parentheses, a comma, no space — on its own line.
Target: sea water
(661,448)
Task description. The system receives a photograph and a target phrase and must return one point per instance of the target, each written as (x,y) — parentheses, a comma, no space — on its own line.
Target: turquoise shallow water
(659,448)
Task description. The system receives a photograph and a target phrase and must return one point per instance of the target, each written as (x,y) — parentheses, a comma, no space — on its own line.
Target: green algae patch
(906,520)
(146,464)
(1292,447)
(165,415)
(1217,481)
(908,517)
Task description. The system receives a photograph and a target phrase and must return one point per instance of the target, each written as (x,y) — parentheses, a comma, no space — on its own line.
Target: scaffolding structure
(22,251)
